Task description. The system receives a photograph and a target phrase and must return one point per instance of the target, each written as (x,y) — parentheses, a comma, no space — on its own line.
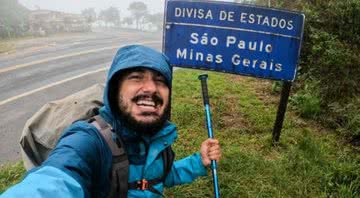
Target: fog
(76,6)
(20,18)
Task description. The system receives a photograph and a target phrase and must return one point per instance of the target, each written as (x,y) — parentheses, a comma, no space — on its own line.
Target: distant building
(76,23)
(44,22)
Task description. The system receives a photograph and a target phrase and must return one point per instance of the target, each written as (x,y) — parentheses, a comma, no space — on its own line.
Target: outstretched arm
(70,169)
(188,169)
(44,182)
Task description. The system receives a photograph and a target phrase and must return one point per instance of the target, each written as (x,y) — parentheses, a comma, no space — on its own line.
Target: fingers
(212,141)
(214,148)
(210,150)
(214,154)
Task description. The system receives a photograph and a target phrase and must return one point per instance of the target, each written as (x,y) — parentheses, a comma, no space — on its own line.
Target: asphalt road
(45,69)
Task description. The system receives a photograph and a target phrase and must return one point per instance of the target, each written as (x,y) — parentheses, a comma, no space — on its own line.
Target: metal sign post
(281,112)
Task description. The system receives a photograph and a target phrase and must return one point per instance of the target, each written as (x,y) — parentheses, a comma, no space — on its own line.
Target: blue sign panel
(233,38)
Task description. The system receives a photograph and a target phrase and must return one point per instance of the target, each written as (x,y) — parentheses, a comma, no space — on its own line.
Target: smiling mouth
(146,103)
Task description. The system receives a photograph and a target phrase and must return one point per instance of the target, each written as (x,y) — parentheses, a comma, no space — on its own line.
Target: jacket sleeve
(186,170)
(46,181)
(80,158)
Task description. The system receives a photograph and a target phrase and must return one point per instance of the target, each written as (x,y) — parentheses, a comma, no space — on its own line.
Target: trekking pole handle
(203,78)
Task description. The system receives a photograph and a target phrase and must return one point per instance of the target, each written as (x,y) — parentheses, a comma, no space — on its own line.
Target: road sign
(233,38)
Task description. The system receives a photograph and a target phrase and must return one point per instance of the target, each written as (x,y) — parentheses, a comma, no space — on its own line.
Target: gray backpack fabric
(44,128)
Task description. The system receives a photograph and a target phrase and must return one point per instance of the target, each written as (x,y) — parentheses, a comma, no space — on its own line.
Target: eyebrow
(142,70)
(138,69)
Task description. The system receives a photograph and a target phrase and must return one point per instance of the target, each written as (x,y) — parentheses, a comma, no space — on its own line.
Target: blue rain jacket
(81,161)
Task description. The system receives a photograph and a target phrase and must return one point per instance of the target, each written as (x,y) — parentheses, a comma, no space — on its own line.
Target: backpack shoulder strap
(168,160)
(120,162)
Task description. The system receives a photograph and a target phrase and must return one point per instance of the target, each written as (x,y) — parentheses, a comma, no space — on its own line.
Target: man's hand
(210,150)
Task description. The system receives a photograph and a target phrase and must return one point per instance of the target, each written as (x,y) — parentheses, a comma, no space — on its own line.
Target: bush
(343,180)
(305,103)
(347,117)
(276,86)
(13,19)
(330,64)
(335,67)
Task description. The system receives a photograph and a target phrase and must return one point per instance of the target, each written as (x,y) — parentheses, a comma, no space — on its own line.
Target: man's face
(144,96)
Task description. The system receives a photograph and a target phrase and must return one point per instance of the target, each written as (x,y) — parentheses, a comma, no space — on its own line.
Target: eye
(160,79)
(135,76)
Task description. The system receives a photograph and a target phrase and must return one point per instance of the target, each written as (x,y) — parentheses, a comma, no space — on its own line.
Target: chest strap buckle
(142,184)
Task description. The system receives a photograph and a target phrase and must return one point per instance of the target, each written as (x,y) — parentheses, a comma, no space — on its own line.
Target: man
(136,107)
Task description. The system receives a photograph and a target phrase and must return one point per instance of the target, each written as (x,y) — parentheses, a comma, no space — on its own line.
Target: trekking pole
(203,78)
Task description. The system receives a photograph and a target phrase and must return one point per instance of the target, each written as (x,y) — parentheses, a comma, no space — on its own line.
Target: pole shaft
(208,121)
(281,112)
(203,79)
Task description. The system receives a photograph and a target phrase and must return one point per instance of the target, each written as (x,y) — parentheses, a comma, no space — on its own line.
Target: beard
(149,128)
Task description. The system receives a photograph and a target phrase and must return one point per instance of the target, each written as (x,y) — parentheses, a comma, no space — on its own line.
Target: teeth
(146,103)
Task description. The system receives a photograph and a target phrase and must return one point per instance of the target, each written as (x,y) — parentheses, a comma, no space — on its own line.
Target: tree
(13,18)
(128,21)
(329,74)
(111,15)
(156,20)
(139,10)
(89,14)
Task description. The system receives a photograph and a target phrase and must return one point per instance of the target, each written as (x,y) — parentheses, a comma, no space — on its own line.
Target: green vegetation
(306,103)
(308,162)
(6,46)
(13,19)
(10,175)
(328,81)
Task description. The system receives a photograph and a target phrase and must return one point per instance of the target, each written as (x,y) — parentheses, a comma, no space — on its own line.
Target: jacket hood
(127,57)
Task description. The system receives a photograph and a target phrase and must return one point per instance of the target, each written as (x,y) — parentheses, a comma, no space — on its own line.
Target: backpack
(42,131)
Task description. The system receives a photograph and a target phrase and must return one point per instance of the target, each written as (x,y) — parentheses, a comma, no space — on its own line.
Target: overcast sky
(75,6)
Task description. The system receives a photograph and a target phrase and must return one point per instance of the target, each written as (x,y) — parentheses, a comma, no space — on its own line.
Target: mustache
(154,97)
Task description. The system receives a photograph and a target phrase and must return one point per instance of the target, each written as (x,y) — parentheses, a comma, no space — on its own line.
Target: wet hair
(113,93)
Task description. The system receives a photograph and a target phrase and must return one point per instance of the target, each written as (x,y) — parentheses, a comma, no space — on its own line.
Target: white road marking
(52,58)
(62,81)
(51,85)
(3,70)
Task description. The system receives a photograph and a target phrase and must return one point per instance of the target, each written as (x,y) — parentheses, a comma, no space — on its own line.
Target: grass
(10,174)
(6,46)
(309,161)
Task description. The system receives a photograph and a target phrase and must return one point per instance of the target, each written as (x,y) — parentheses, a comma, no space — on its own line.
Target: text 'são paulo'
(233,41)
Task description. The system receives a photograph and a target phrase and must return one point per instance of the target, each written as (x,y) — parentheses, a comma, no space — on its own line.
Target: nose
(149,86)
